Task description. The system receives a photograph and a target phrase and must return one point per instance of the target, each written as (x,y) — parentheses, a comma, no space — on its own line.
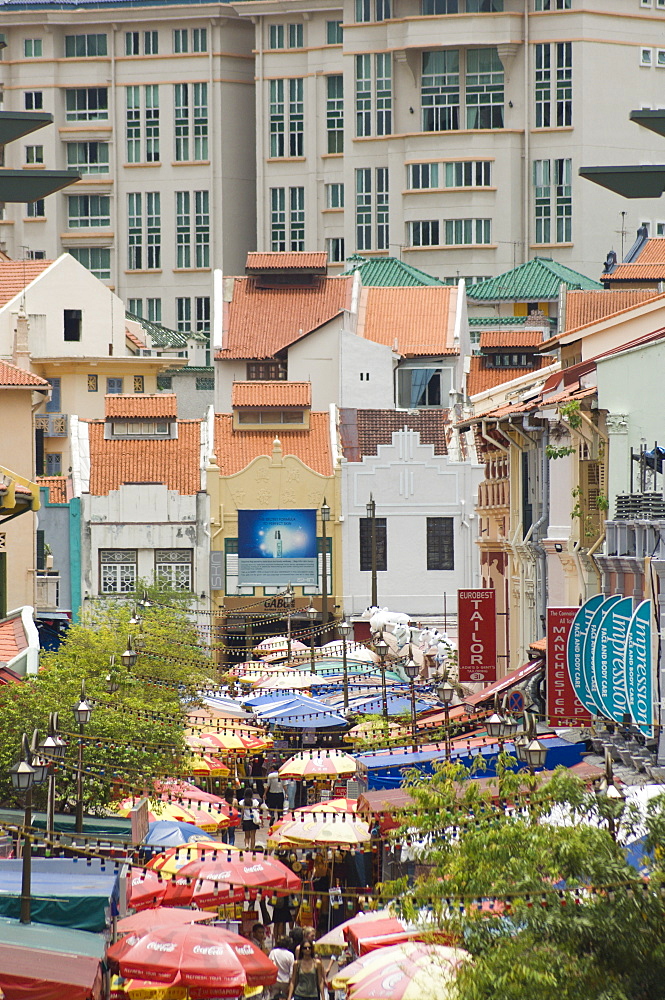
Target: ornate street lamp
(311,614)
(82,714)
(411,669)
(381,647)
(345,628)
(325,517)
(54,748)
(289,602)
(129,657)
(371,514)
(22,777)
(445,693)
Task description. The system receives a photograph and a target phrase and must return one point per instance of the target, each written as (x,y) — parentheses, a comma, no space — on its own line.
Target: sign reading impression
(639,668)
(277,547)
(563,706)
(609,666)
(476,616)
(581,681)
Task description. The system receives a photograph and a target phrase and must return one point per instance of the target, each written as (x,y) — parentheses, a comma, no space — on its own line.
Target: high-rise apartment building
(450,132)
(154,105)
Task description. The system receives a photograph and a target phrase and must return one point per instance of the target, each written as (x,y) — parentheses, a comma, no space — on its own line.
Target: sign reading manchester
(563,705)
(277,547)
(476,616)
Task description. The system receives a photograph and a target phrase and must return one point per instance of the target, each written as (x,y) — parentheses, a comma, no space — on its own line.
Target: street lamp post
(82,713)
(325,517)
(23,777)
(371,514)
(381,647)
(614,798)
(344,629)
(411,669)
(289,604)
(446,693)
(311,614)
(54,749)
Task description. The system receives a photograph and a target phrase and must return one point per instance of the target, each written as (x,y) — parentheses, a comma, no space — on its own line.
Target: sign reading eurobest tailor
(563,705)
(476,616)
(277,547)
(639,668)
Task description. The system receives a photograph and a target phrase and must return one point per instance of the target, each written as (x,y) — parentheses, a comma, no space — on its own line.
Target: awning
(39,962)
(66,892)
(510,680)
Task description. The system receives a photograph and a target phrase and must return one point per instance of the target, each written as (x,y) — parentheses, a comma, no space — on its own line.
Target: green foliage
(553,452)
(124,746)
(571,413)
(602,945)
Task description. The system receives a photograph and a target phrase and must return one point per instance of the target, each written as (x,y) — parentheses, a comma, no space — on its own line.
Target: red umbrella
(160,917)
(229,878)
(206,958)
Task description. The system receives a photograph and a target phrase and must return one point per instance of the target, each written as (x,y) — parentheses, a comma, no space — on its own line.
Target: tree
(569,917)
(135,733)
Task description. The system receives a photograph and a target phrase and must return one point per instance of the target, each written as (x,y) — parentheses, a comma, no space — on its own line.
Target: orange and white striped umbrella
(319,764)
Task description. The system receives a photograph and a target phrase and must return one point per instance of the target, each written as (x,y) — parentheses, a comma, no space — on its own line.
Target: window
(32,48)
(553,178)
(200,237)
(363,95)
(542,185)
(183,230)
(131,43)
(133,124)
(88,157)
(431,7)
(35,209)
(423,388)
(113,386)
(72,319)
(150,43)
(290,416)
(382,94)
(440,543)
(135,307)
(96,259)
(334,33)
(154,310)
(296,36)
(382,211)
(87,104)
(205,383)
(191,120)
(278,219)
(202,315)
(93,383)
(334,196)
(265,371)
(202,228)
(173,568)
(139,236)
(422,175)
(363,10)
(297,218)
(335,113)
(335,249)
(140,428)
(364,208)
(383,10)
(53,402)
(381,541)
(556,4)
(646,57)
(150,144)
(440,90)
(82,46)
(164,382)
(33,100)
(469,173)
(384,99)
(563,198)
(424,233)
(139,383)
(53,463)
(276,36)
(199,39)
(484,89)
(117,571)
(183,308)
(89,211)
(294,239)
(180,40)
(296,118)
(151,123)
(468,232)
(554,96)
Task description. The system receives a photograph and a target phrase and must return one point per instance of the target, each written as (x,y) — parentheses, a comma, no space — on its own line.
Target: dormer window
(259,417)
(141,428)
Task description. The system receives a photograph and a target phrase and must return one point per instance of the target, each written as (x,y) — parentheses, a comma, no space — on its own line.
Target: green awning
(14,124)
(29,185)
(654,120)
(644,180)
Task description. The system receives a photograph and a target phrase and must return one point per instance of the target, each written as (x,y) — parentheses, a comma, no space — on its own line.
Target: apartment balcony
(493,494)
(450,31)
(54,425)
(47,591)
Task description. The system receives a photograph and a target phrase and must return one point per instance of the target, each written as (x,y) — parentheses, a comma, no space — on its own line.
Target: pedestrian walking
(275,797)
(307,980)
(251,818)
(282,956)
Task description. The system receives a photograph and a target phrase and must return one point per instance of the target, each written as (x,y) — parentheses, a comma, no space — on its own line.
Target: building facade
(452,130)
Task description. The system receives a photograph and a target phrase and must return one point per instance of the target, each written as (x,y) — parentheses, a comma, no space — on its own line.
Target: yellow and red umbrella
(230,742)
(207,766)
(170,862)
(319,764)
(209,822)
(338,830)
(414,970)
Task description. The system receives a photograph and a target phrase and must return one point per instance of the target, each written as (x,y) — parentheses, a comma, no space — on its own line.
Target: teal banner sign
(587,652)
(608,659)
(639,661)
(582,683)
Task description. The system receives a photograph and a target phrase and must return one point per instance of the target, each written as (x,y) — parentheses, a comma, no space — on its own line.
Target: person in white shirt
(283,958)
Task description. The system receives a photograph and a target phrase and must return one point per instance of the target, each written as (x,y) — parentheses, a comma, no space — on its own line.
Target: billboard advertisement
(640,662)
(277,547)
(582,680)
(563,706)
(609,668)
(476,616)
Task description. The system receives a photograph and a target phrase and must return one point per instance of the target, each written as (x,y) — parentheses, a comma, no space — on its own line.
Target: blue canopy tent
(69,892)
(299,712)
(397,705)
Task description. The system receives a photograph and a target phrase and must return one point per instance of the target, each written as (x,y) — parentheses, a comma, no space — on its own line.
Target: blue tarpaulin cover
(65,891)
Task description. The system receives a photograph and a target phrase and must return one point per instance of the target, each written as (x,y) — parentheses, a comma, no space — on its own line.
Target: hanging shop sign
(563,706)
(587,650)
(277,547)
(640,660)
(581,682)
(609,665)
(476,614)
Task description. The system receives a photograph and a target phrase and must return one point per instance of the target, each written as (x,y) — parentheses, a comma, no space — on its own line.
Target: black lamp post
(53,748)
(130,655)
(289,601)
(82,714)
(445,693)
(325,517)
(614,799)
(381,647)
(23,777)
(344,629)
(371,514)
(411,669)
(311,614)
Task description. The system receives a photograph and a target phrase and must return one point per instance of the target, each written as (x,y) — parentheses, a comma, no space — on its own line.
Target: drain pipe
(535,529)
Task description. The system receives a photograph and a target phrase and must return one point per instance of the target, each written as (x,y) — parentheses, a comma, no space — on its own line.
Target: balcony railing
(52,424)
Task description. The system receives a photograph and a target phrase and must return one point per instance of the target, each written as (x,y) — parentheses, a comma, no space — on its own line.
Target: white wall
(409,483)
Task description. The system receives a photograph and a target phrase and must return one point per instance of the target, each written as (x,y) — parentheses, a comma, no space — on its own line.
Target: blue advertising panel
(581,681)
(587,649)
(609,666)
(639,669)
(277,547)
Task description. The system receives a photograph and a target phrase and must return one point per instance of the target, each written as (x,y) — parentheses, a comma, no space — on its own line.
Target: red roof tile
(481,377)
(262,321)
(12,377)
(174,462)
(362,431)
(13,639)
(133,339)
(529,337)
(15,275)
(283,261)
(161,406)
(415,321)
(236,449)
(637,272)
(585,308)
(57,488)
(273,394)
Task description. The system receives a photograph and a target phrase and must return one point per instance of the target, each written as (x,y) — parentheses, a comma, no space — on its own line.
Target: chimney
(21,352)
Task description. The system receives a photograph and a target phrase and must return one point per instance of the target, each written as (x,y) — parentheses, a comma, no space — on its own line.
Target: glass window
(202,228)
(53,402)
(113,386)
(183,229)
(334,196)
(151,93)
(419,388)
(88,157)
(422,175)
(181,113)
(296,36)
(552,5)
(135,231)
(335,249)
(135,307)
(133,124)
(180,40)
(297,218)
(296,118)
(32,48)
(96,259)
(117,571)
(33,100)
(462,232)
(184,314)
(382,209)
(335,113)
(199,39)
(173,568)
(150,43)
(469,173)
(278,219)
(334,32)
(363,95)
(131,43)
(35,209)
(87,104)
(89,211)
(440,543)
(440,94)
(381,542)
(563,195)
(53,463)
(424,233)
(484,89)
(543,210)
(200,121)
(431,7)
(277,122)
(363,10)
(276,36)
(83,46)
(383,10)
(384,96)
(364,208)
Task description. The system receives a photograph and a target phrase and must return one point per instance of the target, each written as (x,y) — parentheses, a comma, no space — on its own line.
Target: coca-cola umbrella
(204,958)
(160,917)
(229,878)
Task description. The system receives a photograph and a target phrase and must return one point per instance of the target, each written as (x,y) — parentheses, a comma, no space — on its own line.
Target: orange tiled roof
(161,406)
(236,449)
(13,639)
(283,261)
(480,378)
(637,272)
(57,488)
(529,337)
(15,275)
(417,321)
(583,308)
(263,321)
(15,378)
(653,251)
(133,339)
(174,462)
(275,393)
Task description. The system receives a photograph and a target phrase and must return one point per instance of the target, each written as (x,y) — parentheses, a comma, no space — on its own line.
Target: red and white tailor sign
(476,617)
(563,705)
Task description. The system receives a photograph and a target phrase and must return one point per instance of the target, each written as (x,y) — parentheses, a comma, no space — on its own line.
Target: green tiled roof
(486,321)
(162,336)
(189,370)
(387,272)
(536,281)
